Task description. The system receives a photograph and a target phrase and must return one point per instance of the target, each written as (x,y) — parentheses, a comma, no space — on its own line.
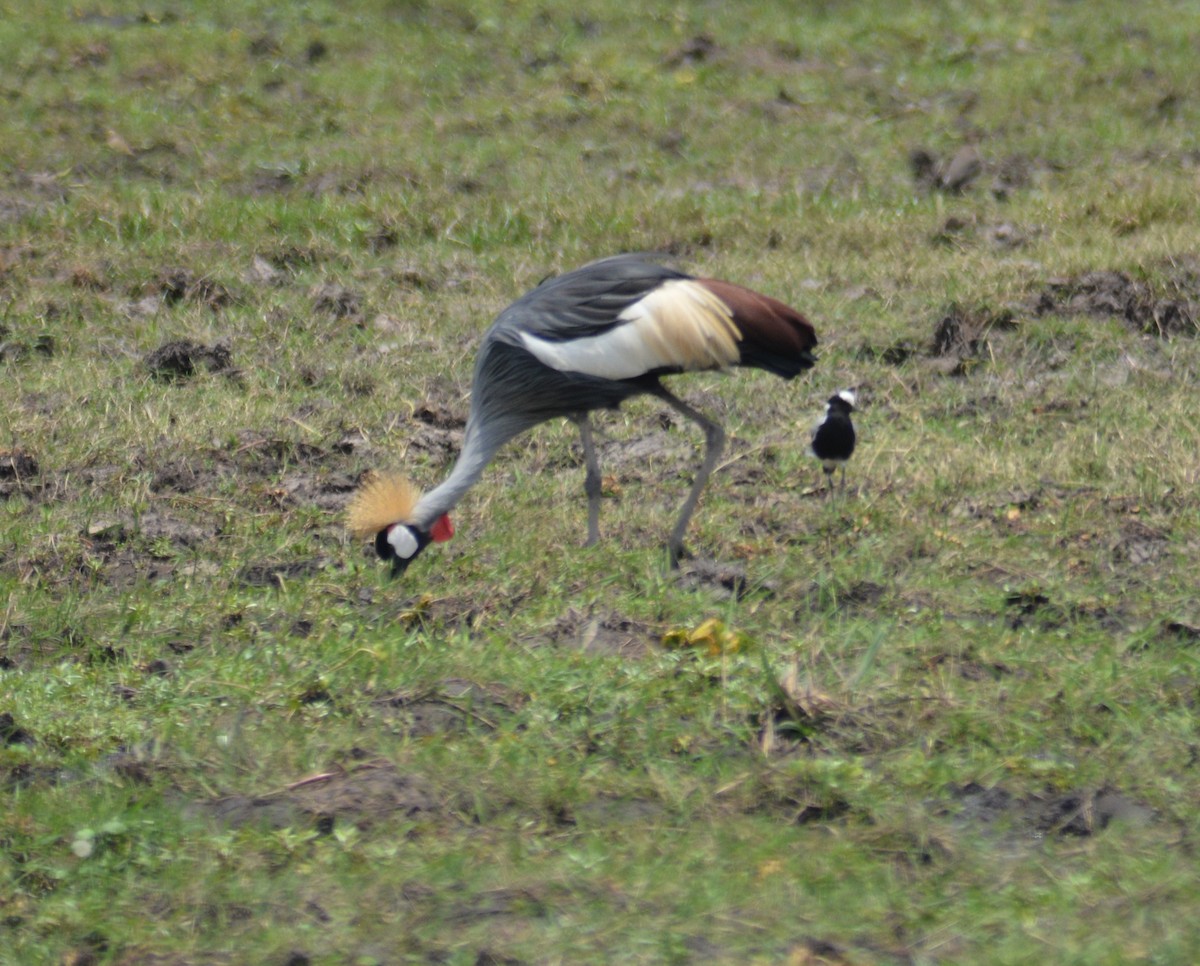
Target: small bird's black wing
(587,301)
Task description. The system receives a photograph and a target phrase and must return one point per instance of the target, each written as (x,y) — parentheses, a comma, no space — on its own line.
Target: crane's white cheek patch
(403,541)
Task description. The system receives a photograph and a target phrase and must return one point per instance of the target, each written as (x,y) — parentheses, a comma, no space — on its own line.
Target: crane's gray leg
(714,443)
(591,479)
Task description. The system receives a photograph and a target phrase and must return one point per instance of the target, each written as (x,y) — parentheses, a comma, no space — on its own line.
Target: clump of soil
(953,174)
(11,733)
(961,338)
(894,354)
(337,300)
(696,50)
(957,172)
(182,358)
(1172,309)
(18,472)
(14,350)
(961,335)
(182,284)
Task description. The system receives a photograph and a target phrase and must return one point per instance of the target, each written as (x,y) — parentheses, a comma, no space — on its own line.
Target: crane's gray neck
(479,446)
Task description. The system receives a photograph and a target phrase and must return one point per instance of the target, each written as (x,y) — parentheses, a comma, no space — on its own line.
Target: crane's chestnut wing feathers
(774,336)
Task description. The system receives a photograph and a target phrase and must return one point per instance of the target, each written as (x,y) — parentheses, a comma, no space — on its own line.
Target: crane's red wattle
(442,529)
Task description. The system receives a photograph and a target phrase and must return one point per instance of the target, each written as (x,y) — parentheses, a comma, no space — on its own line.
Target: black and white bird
(588,340)
(833,437)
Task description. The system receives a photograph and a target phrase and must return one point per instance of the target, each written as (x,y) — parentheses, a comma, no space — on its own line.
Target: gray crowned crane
(586,340)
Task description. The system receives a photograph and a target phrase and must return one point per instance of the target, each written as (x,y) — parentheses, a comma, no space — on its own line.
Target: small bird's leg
(714,440)
(591,479)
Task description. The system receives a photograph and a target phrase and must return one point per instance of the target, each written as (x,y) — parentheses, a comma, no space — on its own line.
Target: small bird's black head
(842,402)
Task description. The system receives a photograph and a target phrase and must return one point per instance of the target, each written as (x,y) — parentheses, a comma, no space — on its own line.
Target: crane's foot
(677,553)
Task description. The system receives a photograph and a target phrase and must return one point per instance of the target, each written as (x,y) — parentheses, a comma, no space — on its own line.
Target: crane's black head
(401,543)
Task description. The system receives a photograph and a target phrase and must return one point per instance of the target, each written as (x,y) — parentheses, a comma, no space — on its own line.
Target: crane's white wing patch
(680,325)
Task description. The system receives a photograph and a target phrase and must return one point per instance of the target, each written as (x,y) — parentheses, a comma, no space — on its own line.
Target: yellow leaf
(768,868)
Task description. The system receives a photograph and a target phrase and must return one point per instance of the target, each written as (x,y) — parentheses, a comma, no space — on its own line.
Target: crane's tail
(383,499)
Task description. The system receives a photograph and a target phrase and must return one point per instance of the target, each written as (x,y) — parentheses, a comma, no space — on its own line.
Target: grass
(958,724)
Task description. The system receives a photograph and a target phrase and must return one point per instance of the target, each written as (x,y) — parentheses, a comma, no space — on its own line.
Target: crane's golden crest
(383,499)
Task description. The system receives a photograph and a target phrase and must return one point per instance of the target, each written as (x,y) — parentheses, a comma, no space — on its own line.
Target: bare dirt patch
(607,634)
(969,667)
(631,456)
(452,706)
(438,427)
(968,165)
(1170,308)
(1139,544)
(617,810)
(11,733)
(1079,812)
(725,580)
(360,796)
(327,492)
(124,549)
(854,597)
(182,476)
(1030,607)
(277,574)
